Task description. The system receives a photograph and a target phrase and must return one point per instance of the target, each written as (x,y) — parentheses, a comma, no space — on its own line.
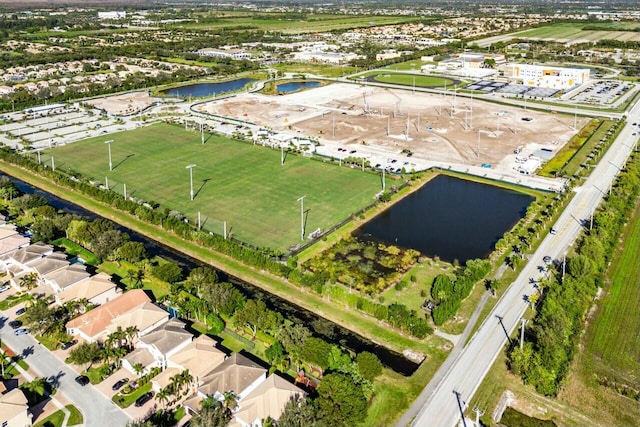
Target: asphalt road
(97,410)
(442,404)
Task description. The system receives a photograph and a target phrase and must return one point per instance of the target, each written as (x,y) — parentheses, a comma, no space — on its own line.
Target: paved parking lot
(602,92)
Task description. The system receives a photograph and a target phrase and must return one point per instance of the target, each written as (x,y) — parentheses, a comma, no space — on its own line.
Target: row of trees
(448,292)
(544,359)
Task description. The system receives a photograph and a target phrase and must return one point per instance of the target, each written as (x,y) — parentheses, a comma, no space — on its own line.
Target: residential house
(266,400)
(131,309)
(14,410)
(63,278)
(164,341)
(200,357)
(237,373)
(97,290)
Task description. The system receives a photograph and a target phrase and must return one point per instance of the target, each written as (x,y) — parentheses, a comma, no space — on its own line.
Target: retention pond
(449,217)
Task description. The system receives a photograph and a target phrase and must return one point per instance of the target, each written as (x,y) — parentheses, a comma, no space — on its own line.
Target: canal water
(451,218)
(208,89)
(295,86)
(322,327)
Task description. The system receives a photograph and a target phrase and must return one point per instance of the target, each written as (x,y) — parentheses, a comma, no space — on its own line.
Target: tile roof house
(266,400)
(98,289)
(200,357)
(165,340)
(237,373)
(60,279)
(23,257)
(14,410)
(133,308)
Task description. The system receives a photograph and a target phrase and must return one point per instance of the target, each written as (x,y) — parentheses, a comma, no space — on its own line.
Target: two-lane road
(96,409)
(442,406)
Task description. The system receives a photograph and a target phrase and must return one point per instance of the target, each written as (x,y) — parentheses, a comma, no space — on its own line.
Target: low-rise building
(560,78)
(14,409)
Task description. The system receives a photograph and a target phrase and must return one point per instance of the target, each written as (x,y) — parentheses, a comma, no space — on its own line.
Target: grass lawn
(124,401)
(317,69)
(14,300)
(312,23)
(152,160)
(420,81)
(414,65)
(150,283)
(55,419)
(613,338)
(75,249)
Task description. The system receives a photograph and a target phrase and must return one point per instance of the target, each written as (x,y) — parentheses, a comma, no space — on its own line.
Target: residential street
(95,407)
(442,401)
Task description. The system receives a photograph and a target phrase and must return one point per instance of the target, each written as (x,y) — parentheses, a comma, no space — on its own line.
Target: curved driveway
(97,410)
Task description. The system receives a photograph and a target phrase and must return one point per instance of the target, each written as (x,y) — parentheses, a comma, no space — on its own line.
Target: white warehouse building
(544,76)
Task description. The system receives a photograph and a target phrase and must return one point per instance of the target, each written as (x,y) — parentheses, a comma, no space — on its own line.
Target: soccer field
(236,182)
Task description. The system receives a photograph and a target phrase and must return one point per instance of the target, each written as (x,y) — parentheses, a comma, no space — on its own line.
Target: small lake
(450,218)
(296,86)
(208,89)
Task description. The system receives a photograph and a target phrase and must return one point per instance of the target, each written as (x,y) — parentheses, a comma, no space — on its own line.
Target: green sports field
(408,79)
(236,182)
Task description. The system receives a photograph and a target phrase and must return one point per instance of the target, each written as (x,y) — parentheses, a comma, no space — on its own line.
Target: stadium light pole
(109,145)
(190,167)
(301,200)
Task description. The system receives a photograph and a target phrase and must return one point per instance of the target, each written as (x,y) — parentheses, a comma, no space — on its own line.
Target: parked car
(83,380)
(4,288)
(553,230)
(15,324)
(118,384)
(547,259)
(68,344)
(20,311)
(144,399)
(21,331)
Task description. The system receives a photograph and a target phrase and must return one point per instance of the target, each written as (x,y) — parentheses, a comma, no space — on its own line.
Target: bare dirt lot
(125,104)
(431,126)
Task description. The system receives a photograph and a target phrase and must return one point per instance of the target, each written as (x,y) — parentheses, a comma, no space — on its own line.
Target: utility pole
(564,265)
(522,323)
(301,200)
(383,181)
(53,164)
(202,132)
(281,155)
(106,182)
(110,162)
(199,223)
(225,230)
(190,167)
(124,191)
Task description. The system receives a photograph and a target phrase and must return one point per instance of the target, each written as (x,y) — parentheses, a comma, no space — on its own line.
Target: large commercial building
(546,76)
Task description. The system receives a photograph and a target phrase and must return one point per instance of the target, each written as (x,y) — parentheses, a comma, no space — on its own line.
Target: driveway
(96,408)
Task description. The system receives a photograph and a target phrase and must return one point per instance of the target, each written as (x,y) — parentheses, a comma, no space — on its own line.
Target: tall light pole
(109,145)
(301,200)
(190,167)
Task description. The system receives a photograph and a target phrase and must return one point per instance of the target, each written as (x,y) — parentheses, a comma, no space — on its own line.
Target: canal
(208,89)
(452,218)
(321,326)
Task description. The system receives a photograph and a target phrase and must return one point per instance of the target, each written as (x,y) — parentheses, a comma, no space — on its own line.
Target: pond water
(319,325)
(295,86)
(208,89)
(450,218)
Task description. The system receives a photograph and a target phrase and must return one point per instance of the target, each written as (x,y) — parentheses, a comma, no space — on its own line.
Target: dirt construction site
(433,126)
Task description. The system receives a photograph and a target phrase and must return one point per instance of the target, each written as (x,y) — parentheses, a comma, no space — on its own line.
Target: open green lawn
(316,69)
(409,80)
(413,65)
(55,419)
(613,338)
(312,23)
(236,182)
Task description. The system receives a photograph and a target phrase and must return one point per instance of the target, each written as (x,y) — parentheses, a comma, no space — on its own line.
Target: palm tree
(130,333)
(37,386)
(163,396)
(29,280)
(138,368)
(230,401)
